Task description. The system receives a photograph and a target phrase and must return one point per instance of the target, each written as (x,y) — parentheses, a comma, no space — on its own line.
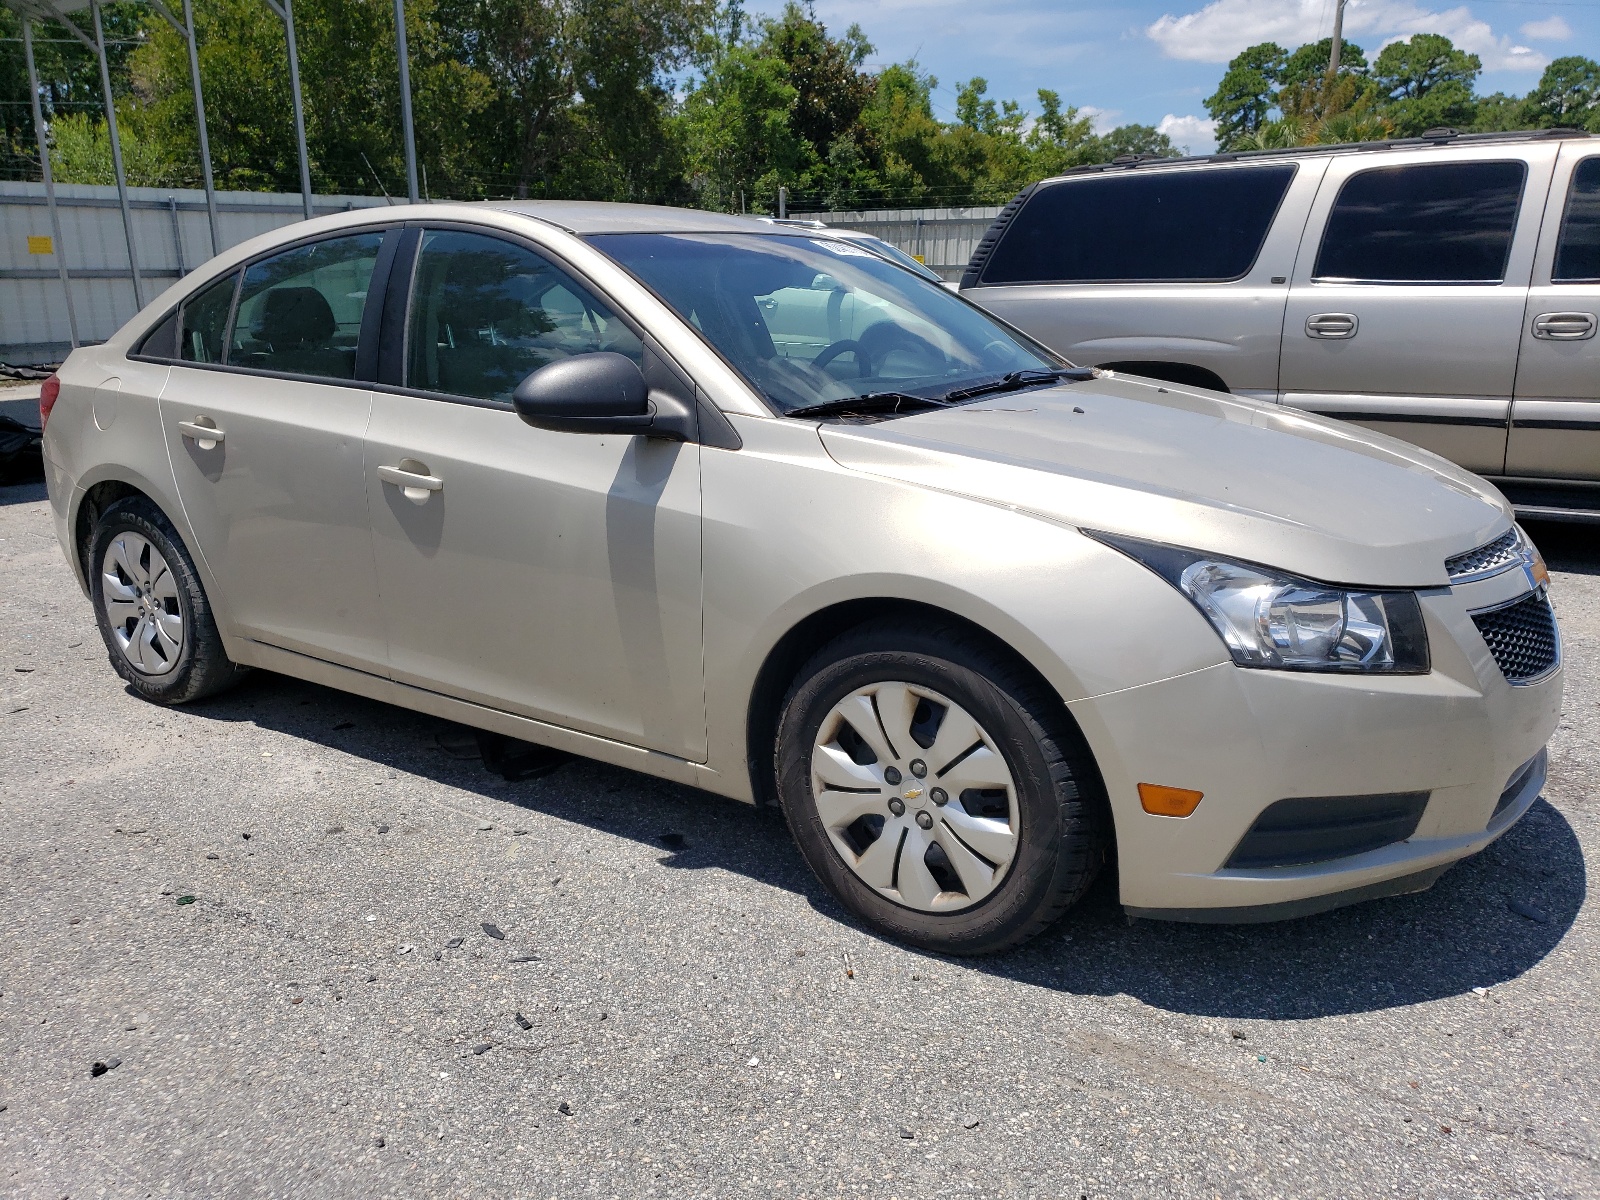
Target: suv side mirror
(599,393)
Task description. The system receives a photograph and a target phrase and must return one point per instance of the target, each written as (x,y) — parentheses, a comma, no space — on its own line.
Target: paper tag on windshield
(844,248)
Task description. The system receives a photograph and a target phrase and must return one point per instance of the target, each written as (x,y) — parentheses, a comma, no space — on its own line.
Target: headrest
(294,316)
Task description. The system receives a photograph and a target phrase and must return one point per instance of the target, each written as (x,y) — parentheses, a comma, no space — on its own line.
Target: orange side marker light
(1163,801)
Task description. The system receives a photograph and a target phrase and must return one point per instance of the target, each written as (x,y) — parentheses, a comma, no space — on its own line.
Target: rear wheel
(937,790)
(152,612)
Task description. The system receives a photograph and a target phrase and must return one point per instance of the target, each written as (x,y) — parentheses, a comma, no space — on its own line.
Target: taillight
(48,391)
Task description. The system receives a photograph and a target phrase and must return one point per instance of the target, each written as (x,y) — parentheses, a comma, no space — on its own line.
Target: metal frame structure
(58,10)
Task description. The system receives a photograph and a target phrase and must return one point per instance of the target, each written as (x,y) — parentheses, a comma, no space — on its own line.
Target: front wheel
(937,789)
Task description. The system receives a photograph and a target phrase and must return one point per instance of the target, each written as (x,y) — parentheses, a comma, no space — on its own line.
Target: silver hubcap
(141,597)
(915,796)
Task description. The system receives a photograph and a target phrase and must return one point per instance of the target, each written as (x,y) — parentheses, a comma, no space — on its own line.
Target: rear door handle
(1564,326)
(412,478)
(1332,326)
(204,431)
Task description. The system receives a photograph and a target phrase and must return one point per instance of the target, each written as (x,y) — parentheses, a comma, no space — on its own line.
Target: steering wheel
(878,340)
(844,346)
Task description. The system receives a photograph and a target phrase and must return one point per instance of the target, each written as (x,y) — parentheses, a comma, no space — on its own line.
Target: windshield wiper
(1013,380)
(871,403)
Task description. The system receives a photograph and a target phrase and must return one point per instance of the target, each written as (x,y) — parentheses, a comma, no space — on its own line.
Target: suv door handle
(204,431)
(1332,326)
(413,480)
(1564,326)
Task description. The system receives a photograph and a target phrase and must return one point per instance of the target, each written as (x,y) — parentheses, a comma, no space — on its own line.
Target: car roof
(597,216)
(1432,137)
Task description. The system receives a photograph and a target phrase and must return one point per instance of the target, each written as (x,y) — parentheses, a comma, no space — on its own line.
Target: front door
(1406,306)
(264,421)
(553,575)
(1555,420)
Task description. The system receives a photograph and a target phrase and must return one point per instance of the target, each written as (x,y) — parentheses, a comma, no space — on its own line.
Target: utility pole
(1338,39)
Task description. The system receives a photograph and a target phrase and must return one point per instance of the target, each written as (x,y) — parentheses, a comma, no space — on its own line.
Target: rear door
(1408,295)
(1183,266)
(264,416)
(1555,419)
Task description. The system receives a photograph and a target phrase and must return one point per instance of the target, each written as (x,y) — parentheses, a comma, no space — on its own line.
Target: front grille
(1522,637)
(1485,560)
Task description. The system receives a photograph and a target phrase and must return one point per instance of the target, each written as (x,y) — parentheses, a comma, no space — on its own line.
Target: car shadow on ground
(1568,545)
(29,490)
(1488,920)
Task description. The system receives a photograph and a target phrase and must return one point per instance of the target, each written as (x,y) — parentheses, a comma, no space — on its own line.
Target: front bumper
(1247,739)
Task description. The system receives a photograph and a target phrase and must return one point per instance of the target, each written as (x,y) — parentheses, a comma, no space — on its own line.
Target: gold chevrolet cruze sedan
(750,508)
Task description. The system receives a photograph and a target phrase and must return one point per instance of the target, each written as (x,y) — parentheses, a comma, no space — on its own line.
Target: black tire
(202,667)
(1064,819)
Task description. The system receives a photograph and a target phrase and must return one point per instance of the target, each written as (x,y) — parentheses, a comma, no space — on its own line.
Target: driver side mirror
(601,392)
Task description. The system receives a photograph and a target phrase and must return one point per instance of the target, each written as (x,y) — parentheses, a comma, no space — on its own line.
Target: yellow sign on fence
(40,245)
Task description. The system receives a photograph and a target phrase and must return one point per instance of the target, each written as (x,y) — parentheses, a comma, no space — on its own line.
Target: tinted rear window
(1431,223)
(1578,252)
(1202,226)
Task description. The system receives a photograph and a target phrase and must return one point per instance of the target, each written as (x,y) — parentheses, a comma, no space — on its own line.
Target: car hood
(1198,469)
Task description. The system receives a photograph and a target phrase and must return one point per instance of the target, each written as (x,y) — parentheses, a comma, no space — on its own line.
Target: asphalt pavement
(293,943)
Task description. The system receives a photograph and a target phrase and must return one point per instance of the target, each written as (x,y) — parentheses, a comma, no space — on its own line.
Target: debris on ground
(907,1134)
(485,826)
(522,1021)
(522,958)
(493,931)
(1527,911)
(100,1068)
(969,1122)
(185,899)
(564,1109)
(481,1048)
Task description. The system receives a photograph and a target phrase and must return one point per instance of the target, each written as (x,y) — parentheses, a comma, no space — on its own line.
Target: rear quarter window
(1200,226)
(1578,251)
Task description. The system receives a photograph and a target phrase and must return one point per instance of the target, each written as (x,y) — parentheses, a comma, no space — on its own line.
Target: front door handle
(204,431)
(1564,326)
(413,479)
(1332,327)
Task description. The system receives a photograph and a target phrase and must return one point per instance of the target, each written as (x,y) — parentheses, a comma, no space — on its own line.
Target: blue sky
(1155,63)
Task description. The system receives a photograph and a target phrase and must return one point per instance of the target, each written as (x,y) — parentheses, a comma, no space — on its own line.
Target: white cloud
(1104,120)
(1222,28)
(1196,135)
(1551,29)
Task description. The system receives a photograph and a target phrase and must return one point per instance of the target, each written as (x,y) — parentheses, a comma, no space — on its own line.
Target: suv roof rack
(1432,137)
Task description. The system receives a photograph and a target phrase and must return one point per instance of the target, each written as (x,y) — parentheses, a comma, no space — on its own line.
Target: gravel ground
(399,975)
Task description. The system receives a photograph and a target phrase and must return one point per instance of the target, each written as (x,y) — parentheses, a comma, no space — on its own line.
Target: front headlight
(1269,619)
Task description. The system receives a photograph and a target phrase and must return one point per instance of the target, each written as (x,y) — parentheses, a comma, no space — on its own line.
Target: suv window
(1429,223)
(1578,251)
(203,322)
(1156,226)
(300,311)
(486,313)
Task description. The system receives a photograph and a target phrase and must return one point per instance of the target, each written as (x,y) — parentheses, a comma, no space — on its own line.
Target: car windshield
(816,320)
(893,253)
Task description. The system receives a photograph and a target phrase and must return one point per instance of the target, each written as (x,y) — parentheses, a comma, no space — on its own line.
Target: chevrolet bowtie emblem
(913,793)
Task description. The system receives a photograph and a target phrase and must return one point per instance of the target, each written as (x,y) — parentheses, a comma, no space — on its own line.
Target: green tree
(1309,64)
(1426,83)
(1247,93)
(1568,94)
(1135,139)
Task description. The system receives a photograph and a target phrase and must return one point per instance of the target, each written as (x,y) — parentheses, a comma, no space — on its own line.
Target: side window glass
(162,341)
(1578,251)
(486,313)
(300,311)
(1431,223)
(203,322)
(1187,225)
